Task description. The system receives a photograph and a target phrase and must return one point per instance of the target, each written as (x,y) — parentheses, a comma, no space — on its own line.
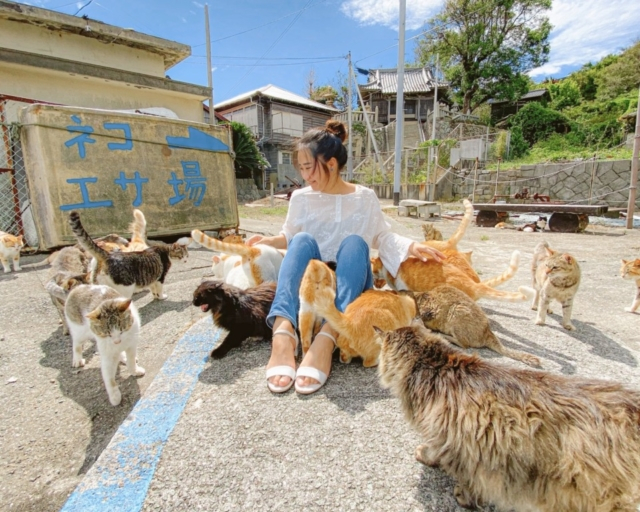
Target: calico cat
(10,247)
(554,276)
(451,312)
(630,269)
(241,312)
(519,439)
(318,274)
(431,232)
(260,263)
(355,332)
(538,225)
(128,272)
(421,276)
(100,313)
(68,269)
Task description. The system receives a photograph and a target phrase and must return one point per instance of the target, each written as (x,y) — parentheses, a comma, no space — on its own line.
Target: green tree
(248,161)
(486,46)
(564,94)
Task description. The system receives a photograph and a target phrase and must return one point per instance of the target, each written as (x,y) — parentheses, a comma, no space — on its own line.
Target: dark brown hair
(325,143)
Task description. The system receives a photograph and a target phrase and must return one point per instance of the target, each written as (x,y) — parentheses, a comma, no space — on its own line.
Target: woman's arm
(278,241)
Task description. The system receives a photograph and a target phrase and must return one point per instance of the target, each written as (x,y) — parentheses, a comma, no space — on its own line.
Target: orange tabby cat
(630,269)
(422,276)
(10,246)
(452,243)
(317,275)
(356,337)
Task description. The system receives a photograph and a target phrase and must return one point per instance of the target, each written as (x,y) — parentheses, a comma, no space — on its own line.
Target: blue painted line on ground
(120,478)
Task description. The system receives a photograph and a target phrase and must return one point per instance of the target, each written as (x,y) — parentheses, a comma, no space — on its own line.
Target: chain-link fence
(15,204)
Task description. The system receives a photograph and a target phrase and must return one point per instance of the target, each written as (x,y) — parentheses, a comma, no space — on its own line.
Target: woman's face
(313,172)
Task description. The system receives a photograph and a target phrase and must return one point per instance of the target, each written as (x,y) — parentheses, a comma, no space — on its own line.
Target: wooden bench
(406,207)
(565,218)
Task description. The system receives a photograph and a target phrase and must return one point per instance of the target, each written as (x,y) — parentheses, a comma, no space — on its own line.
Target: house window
(287,123)
(285,157)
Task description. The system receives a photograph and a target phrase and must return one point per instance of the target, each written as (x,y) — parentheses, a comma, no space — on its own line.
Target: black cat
(241,312)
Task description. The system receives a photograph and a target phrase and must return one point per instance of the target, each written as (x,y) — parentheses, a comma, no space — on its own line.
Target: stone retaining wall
(606,182)
(247,191)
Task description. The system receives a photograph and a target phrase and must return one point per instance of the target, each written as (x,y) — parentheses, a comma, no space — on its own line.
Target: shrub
(538,122)
(518,146)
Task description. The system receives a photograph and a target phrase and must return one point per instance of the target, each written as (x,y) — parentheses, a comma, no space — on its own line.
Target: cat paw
(569,327)
(539,322)
(630,310)
(123,358)
(115,397)
(164,296)
(77,363)
(139,371)
(421,456)
(7,270)
(464,498)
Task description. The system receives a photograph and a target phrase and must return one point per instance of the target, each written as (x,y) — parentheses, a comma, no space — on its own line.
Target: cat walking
(555,276)
(129,272)
(100,313)
(630,269)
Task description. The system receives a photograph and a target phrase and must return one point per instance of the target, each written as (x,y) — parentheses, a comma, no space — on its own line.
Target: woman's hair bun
(336,128)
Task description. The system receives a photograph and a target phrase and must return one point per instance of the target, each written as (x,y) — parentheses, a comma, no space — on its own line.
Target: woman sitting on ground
(330,220)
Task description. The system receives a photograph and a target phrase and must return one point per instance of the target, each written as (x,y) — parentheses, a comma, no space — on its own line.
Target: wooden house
(276,117)
(501,109)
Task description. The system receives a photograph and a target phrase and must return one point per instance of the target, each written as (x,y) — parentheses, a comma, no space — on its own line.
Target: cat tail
(523,293)
(507,274)
(539,253)
(138,228)
(47,261)
(84,239)
(324,302)
(464,224)
(216,245)
(518,355)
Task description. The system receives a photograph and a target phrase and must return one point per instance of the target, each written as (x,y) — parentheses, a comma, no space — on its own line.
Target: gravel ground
(236,446)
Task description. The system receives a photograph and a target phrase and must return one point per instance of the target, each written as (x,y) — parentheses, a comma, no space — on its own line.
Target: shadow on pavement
(86,388)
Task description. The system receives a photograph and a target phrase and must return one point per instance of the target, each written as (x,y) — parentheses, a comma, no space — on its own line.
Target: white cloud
(386,12)
(198,4)
(587,30)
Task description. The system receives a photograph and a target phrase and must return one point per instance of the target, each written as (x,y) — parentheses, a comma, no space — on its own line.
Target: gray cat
(100,313)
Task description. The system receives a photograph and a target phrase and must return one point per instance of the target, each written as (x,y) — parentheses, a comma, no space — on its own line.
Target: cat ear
(550,252)
(124,305)
(216,259)
(379,331)
(93,315)
(624,262)
(568,258)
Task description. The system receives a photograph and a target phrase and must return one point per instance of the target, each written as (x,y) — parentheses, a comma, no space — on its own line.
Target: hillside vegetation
(585,114)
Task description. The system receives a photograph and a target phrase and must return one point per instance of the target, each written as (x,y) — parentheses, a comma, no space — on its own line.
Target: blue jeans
(353,274)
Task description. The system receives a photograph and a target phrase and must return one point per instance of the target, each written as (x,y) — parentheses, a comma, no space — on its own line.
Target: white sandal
(283,370)
(313,373)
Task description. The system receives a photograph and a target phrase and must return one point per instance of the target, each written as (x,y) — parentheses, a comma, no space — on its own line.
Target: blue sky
(259,42)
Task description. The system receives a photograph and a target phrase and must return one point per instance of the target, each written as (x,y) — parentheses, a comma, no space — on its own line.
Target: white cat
(98,312)
(10,246)
(260,263)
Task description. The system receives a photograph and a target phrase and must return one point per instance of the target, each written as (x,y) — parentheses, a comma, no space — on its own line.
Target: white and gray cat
(98,312)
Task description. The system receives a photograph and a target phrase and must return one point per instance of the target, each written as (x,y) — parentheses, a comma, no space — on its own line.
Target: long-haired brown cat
(356,337)
(421,276)
(630,269)
(555,276)
(520,439)
(128,272)
(451,312)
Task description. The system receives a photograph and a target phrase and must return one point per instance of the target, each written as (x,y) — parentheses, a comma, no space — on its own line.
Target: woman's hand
(424,252)
(278,241)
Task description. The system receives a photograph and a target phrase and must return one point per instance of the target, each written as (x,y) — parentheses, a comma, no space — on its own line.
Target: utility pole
(349,121)
(399,105)
(433,149)
(212,116)
(634,169)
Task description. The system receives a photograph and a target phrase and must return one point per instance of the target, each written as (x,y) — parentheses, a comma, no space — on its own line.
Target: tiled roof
(538,93)
(277,93)
(416,80)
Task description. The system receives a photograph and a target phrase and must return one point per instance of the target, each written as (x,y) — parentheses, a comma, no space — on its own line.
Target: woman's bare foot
(282,351)
(318,356)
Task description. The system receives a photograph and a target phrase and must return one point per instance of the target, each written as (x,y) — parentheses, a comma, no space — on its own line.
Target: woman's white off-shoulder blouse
(330,218)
